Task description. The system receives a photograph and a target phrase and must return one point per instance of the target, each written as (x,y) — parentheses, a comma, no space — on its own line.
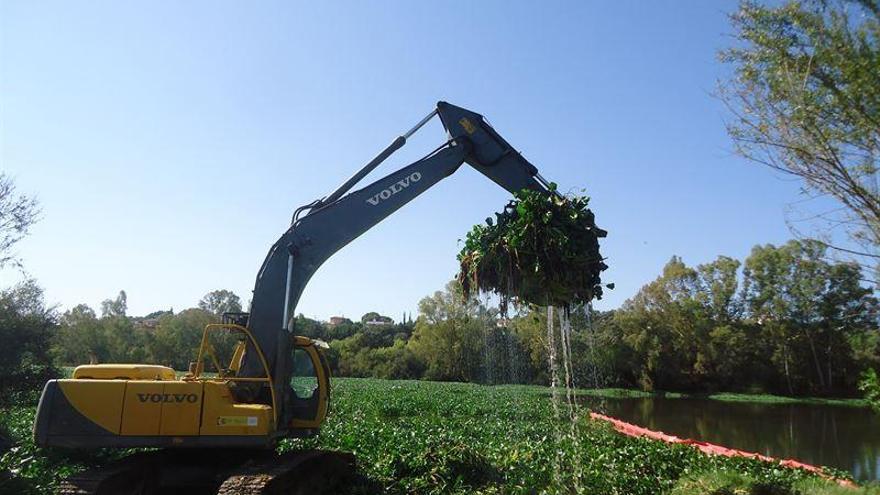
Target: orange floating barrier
(632,430)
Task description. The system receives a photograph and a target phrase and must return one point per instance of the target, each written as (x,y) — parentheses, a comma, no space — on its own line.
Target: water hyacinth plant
(541,249)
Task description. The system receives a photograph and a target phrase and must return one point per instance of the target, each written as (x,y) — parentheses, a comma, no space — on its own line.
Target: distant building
(338,320)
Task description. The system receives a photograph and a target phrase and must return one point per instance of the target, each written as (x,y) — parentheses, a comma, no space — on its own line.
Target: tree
(220,301)
(178,336)
(810,311)
(17,214)
(374,316)
(115,307)
(718,285)
(870,386)
(80,338)
(342,330)
(448,336)
(796,323)
(26,326)
(158,314)
(805,94)
(667,328)
(307,327)
(530,329)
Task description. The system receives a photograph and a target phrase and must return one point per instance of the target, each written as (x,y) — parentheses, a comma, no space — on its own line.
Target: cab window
(304,381)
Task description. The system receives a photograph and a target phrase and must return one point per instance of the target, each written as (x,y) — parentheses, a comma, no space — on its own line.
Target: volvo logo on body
(394,188)
(179,398)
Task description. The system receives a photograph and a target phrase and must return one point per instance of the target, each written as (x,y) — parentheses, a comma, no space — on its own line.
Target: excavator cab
(309,395)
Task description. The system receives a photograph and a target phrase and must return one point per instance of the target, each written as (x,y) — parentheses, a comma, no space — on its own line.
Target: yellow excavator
(217,426)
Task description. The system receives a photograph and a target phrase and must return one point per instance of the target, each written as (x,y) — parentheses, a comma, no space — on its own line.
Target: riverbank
(622,393)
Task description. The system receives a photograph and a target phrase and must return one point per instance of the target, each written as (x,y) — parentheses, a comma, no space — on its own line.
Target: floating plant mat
(542,249)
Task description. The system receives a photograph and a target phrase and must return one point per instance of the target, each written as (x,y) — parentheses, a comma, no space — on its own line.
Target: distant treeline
(785,321)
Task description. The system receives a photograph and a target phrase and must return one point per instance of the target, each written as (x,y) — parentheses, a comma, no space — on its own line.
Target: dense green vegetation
(870,386)
(429,437)
(542,248)
(792,323)
(26,326)
(162,337)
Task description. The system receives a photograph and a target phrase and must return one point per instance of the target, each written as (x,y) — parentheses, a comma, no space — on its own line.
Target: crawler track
(309,472)
(216,472)
(131,475)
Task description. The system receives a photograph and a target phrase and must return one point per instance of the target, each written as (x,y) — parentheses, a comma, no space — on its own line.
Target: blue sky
(169,142)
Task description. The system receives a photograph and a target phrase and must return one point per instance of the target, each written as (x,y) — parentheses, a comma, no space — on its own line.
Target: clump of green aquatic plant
(543,249)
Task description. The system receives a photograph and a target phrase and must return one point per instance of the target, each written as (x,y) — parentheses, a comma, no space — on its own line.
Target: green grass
(623,393)
(427,437)
(627,393)
(779,399)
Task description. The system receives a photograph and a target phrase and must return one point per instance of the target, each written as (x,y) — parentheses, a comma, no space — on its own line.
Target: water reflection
(843,437)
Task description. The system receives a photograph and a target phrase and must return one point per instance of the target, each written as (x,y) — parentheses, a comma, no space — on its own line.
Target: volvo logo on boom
(394,188)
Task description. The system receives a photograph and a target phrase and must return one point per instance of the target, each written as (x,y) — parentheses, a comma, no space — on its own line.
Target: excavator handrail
(267,379)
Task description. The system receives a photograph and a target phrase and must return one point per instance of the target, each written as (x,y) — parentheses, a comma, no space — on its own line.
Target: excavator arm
(324,226)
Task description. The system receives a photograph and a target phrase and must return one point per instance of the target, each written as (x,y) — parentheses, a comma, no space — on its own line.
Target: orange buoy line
(632,430)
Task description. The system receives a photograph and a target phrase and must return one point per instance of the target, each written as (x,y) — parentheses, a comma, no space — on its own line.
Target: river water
(847,438)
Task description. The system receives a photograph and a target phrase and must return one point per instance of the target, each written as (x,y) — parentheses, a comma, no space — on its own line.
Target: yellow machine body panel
(181,405)
(87,412)
(222,416)
(141,415)
(98,400)
(123,372)
(169,408)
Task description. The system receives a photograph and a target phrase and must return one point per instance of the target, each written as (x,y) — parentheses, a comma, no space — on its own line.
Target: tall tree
(18,213)
(805,93)
(115,307)
(220,301)
(376,317)
(718,286)
(449,336)
(26,326)
(178,336)
(80,338)
(810,311)
(666,327)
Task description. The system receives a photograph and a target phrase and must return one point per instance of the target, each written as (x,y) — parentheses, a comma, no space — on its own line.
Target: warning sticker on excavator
(237,421)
